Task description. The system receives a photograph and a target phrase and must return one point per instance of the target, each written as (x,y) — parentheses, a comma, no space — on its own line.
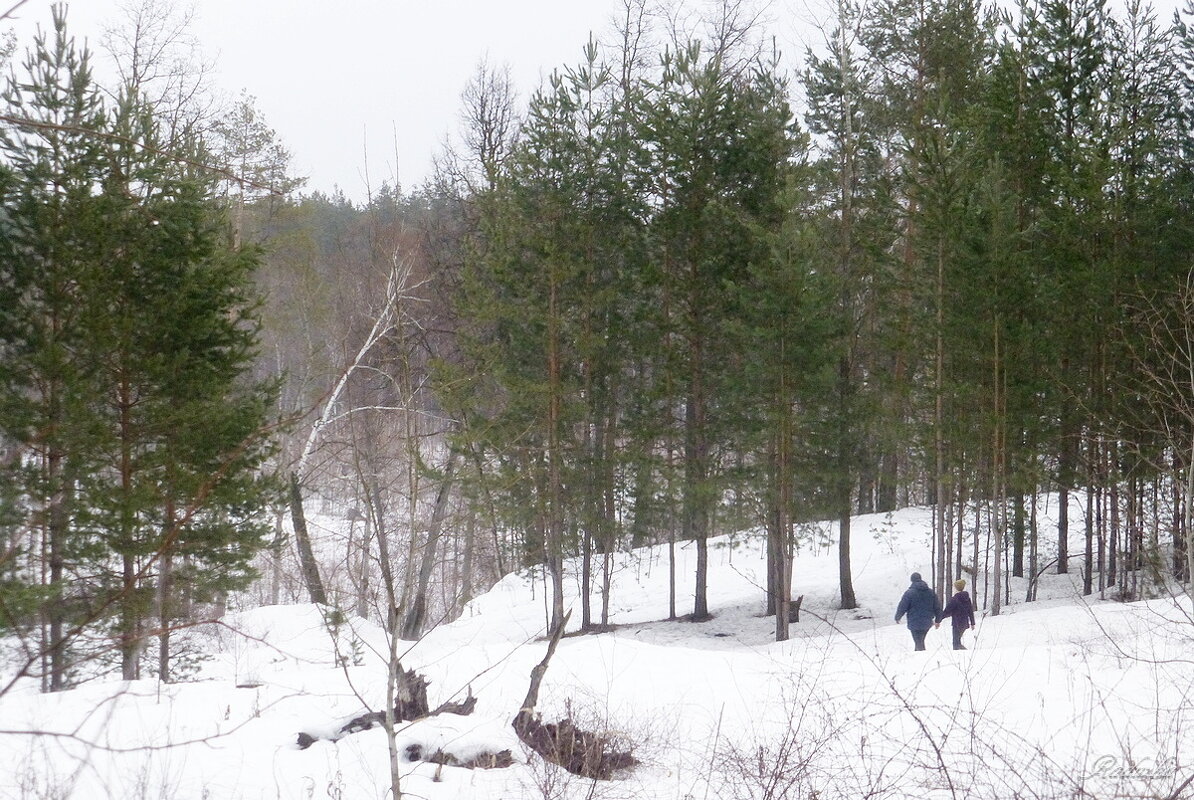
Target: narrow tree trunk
(165,590)
(384,560)
(1064,479)
(1189,519)
(303,542)
(1033,557)
(393,674)
(775,560)
(958,504)
(129,622)
(772,590)
(1113,565)
(671,573)
(164,621)
(586,579)
(609,518)
(997,563)
(1018,534)
(939,430)
(130,612)
(1088,556)
(466,567)
(844,483)
(416,613)
(696,520)
(555,515)
(59,522)
(781,579)
(363,566)
(275,587)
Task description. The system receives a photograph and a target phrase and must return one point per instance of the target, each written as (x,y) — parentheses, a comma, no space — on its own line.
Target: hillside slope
(1052,698)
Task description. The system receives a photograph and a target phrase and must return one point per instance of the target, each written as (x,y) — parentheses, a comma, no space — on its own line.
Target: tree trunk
(130,612)
(778,566)
(844,484)
(1189,518)
(849,600)
(303,542)
(586,579)
(363,566)
(942,557)
(275,589)
(696,518)
(1065,471)
(671,537)
(466,567)
(378,511)
(609,518)
(1088,555)
(555,512)
(1018,534)
(164,580)
(1033,556)
(59,523)
(415,618)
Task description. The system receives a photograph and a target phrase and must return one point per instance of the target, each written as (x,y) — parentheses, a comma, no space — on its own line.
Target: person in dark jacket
(921,605)
(960,610)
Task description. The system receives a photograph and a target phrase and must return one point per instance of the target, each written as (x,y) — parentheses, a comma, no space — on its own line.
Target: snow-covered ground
(1052,699)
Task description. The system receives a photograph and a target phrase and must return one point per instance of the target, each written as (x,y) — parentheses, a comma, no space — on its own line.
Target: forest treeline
(692,287)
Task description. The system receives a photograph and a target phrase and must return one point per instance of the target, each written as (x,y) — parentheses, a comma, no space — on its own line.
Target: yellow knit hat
(959,584)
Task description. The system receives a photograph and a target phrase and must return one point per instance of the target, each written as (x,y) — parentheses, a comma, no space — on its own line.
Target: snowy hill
(1053,698)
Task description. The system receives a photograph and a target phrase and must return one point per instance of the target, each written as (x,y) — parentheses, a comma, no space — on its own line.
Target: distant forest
(688,288)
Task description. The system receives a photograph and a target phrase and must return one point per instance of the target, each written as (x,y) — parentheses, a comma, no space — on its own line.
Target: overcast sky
(338,80)
(345,79)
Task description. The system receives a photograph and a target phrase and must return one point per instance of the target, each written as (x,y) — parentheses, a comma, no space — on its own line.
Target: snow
(1054,696)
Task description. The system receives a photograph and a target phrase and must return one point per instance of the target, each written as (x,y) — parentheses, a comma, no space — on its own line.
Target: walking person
(923,608)
(960,610)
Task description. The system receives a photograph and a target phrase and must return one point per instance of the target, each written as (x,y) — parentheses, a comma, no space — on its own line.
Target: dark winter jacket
(921,605)
(960,610)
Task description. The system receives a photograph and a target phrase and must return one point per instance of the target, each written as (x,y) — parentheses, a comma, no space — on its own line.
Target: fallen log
(484,760)
(410,703)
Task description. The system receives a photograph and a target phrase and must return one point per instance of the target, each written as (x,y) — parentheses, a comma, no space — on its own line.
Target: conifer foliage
(929,297)
(135,436)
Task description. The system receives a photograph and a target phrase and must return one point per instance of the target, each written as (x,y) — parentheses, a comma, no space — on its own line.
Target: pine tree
(857,227)
(53,158)
(174,314)
(718,141)
(137,333)
(529,293)
(929,59)
(1067,77)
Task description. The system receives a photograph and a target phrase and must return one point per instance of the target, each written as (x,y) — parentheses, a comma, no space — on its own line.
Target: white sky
(342,79)
(338,80)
